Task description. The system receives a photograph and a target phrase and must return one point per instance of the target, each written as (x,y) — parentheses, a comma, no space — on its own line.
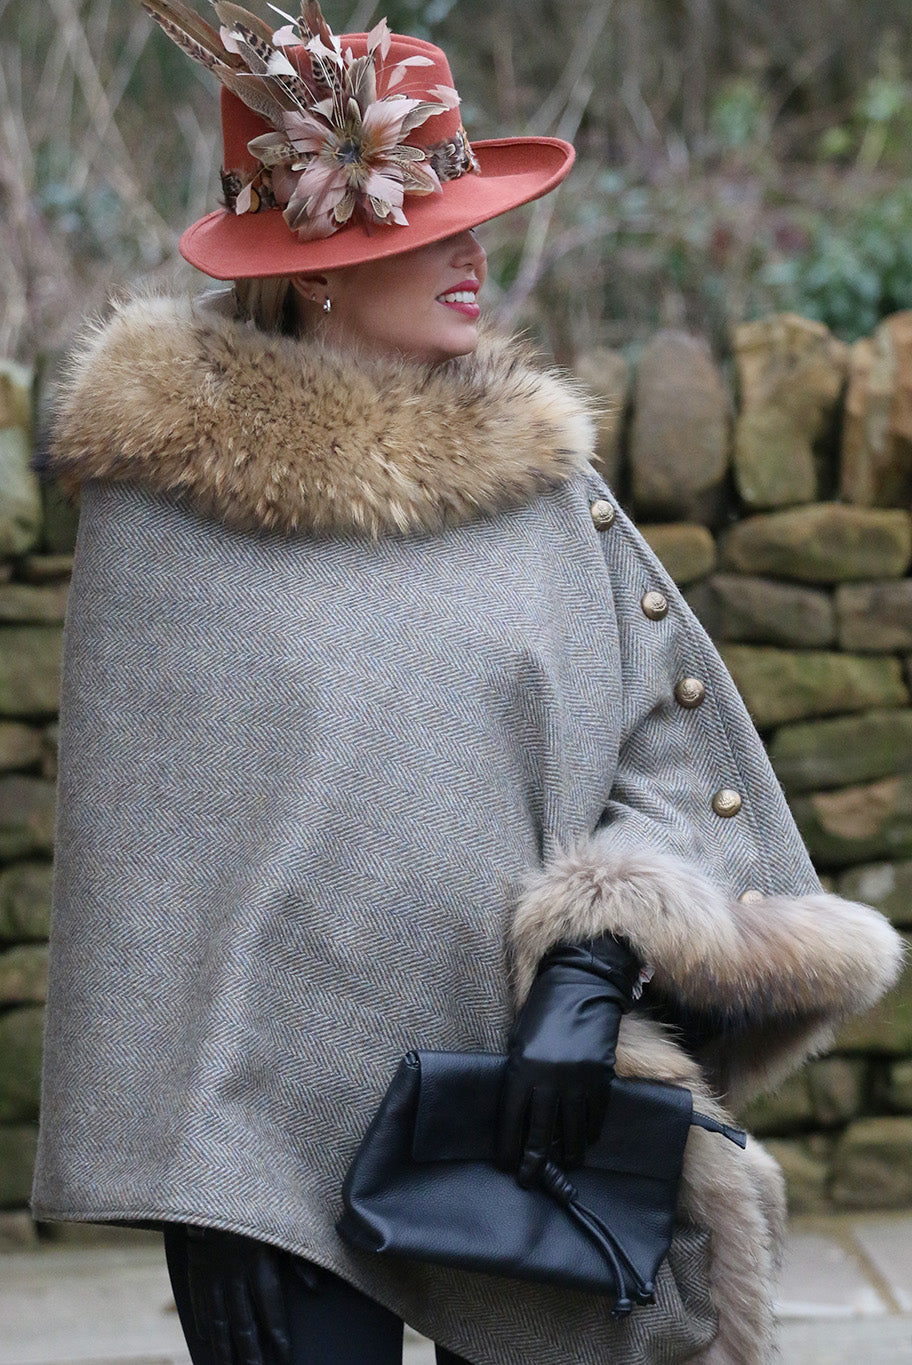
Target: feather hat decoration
(339,122)
(326,137)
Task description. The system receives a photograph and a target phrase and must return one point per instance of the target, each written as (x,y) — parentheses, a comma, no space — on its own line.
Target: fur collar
(272,433)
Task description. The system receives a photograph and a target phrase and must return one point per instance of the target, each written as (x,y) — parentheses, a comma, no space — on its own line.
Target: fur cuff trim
(774,977)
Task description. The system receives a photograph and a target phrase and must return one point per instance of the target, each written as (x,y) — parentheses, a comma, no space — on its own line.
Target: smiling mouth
(462,301)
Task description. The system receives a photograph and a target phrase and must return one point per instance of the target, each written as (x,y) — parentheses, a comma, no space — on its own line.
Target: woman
(382,729)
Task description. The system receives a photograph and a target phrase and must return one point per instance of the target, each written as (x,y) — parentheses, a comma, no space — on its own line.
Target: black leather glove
(561,1055)
(236,1295)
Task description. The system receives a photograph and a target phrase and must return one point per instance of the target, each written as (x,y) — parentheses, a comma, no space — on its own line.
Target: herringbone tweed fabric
(302,783)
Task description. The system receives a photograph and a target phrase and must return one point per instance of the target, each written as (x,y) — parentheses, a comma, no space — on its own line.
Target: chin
(463,345)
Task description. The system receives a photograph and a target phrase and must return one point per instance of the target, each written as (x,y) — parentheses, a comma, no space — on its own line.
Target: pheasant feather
(337,147)
(234,16)
(253,92)
(190,32)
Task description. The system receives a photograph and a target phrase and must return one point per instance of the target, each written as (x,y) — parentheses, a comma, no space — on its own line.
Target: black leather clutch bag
(423,1182)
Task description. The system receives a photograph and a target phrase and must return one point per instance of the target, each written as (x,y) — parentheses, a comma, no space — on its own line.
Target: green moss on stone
(25,902)
(887,1028)
(781,685)
(886,886)
(872,1165)
(23,975)
(843,751)
(764,611)
(827,542)
(27,807)
(21,1037)
(18,1146)
(30,670)
(687,550)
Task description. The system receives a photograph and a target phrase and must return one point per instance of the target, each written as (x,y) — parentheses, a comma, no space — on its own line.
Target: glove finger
(540,1138)
(217,1325)
(206,1302)
(269,1306)
(196,1290)
(249,1344)
(573,1114)
(514,1104)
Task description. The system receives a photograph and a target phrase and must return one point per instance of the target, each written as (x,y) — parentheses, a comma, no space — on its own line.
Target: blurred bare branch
(361,16)
(585,49)
(719,142)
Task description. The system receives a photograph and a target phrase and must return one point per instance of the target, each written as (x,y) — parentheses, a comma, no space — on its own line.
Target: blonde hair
(269,303)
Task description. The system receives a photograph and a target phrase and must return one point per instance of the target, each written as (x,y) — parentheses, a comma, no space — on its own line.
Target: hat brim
(231,246)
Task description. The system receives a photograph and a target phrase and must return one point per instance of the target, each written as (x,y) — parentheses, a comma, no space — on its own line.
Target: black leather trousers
(323,1319)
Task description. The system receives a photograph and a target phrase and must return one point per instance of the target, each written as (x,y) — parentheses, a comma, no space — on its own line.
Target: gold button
(654,604)
(726,803)
(602,514)
(751,895)
(690,693)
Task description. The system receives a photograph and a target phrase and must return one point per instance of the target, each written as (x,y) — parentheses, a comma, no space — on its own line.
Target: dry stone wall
(779,499)
(799,570)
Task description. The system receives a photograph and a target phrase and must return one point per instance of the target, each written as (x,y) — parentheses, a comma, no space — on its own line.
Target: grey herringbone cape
(306,776)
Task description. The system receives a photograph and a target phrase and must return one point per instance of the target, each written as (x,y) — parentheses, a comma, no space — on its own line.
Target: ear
(311,288)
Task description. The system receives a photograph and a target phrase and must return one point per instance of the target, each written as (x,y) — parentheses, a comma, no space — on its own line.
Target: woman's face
(420,305)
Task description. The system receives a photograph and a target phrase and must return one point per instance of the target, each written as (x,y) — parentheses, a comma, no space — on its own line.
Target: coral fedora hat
(339,150)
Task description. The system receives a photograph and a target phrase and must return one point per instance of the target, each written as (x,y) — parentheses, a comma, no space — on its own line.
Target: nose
(468,252)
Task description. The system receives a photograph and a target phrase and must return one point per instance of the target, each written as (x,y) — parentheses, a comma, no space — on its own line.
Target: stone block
(30,659)
(16,395)
(50,751)
(17,1230)
(836,1089)
(823,543)
(786,1110)
(61,520)
(857,824)
(679,448)
(872,1165)
(21,1038)
(780,685)
(764,611)
(606,374)
(23,975)
(20,746)
(20,494)
(842,751)
(25,902)
(897,1093)
(887,1028)
(687,550)
(876,466)
(886,886)
(791,373)
(26,817)
(807,1173)
(21,603)
(50,568)
(875,617)
(18,1148)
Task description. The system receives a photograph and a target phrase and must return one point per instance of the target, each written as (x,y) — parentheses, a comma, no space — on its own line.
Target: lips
(462,299)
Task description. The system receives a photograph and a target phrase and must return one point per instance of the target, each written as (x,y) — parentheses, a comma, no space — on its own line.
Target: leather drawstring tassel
(555,1183)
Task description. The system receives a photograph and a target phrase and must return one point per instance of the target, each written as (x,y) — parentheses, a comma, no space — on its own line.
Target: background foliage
(735,157)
